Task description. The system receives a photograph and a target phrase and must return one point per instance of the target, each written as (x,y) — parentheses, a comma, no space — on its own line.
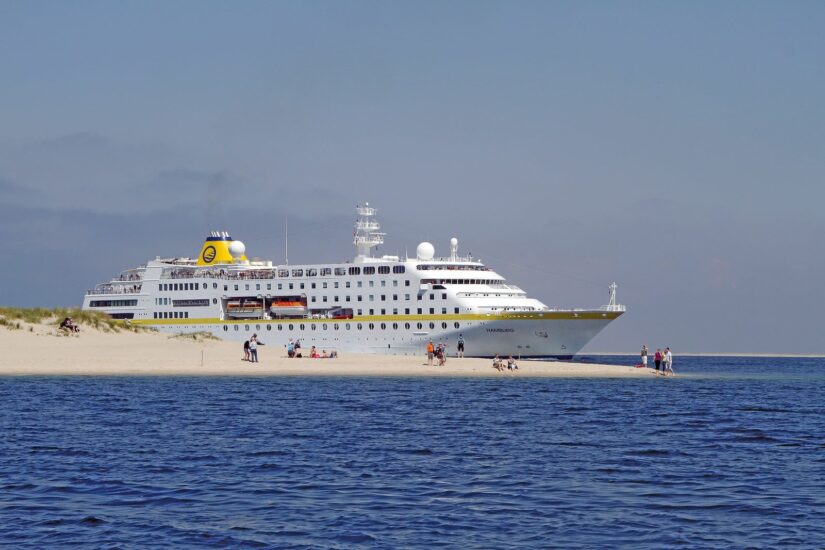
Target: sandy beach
(38,349)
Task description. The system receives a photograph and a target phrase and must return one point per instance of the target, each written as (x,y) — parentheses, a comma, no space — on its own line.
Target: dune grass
(195,336)
(12,317)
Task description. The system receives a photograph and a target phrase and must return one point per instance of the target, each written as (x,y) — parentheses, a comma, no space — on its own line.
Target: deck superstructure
(384,304)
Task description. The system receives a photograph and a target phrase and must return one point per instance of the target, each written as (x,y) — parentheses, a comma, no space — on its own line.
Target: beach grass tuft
(195,336)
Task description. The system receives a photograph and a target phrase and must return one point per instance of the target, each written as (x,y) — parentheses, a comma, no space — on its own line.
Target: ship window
(280,327)
(383,297)
(156,315)
(297,272)
(236,287)
(398,269)
(336,298)
(225,287)
(225,328)
(347,284)
(359,326)
(395,311)
(443,311)
(268,327)
(406,311)
(312,285)
(360,284)
(336,284)
(291,327)
(360,311)
(283,273)
(383,269)
(443,325)
(383,311)
(372,326)
(302,285)
(406,296)
(419,325)
(323,286)
(383,283)
(444,296)
(246,287)
(419,311)
(302,327)
(326,271)
(432,311)
(340,271)
(347,298)
(395,296)
(395,326)
(313,298)
(456,310)
(432,296)
(323,298)
(432,325)
(372,311)
(291,286)
(257,327)
(246,328)
(383,326)
(407,282)
(214,285)
(406,325)
(335,326)
(369,271)
(355,271)
(312,326)
(347,326)
(395,283)
(324,326)
(372,297)
(312,272)
(236,327)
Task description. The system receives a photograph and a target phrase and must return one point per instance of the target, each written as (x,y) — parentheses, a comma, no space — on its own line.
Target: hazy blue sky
(677,148)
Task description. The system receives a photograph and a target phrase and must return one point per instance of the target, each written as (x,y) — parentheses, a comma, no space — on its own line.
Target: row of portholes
(347,326)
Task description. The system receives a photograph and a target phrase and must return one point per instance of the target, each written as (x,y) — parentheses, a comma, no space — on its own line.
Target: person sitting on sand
(333,354)
(313,353)
(324,355)
(68,324)
(511,364)
(497,363)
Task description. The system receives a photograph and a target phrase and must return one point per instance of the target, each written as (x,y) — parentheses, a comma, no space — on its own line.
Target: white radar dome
(425,251)
(237,249)
(453,242)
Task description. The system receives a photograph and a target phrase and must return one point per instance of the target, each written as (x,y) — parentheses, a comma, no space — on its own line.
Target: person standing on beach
(290,349)
(657,359)
(253,348)
(460,345)
(245,351)
(644,355)
(430,353)
(668,369)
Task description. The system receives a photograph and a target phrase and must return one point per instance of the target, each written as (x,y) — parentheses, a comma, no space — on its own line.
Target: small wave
(356,539)
(91,521)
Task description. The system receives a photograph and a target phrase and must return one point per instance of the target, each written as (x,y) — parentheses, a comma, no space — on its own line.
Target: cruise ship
(387,304)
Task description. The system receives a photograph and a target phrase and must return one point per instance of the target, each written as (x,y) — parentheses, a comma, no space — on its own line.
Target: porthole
(347,326)
(324,326)
(406,325)
(302,326)
(383,326)
(420,326)
(246,328)
(372,326)
(312,326)
(237,327)
(359,326)
(268,327)
(395,326)
(432,325)
(214,285)
(214,300)
(225,328)
(335,326)
(291,327)
(443,325)
(257,327)
(280,327)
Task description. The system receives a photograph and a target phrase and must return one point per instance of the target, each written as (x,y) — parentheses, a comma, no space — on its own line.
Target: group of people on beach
(660,359)
(293,350)
(69,324)
(439,352)
(250,349)
(499,364)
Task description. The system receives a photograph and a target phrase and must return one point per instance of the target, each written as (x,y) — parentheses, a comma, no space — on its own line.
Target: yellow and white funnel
(219,248)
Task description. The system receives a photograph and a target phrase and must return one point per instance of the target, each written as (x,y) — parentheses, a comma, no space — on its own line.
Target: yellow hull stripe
(528,316)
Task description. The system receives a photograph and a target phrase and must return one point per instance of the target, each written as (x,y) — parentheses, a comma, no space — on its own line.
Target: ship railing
(220,274)
(113,290)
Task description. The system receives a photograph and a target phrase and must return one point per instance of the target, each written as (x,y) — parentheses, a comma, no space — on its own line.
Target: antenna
(286,239)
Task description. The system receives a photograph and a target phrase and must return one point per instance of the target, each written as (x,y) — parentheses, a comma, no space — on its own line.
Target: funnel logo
(209,254)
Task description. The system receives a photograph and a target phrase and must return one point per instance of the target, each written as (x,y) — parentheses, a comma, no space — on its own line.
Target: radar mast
(366,235)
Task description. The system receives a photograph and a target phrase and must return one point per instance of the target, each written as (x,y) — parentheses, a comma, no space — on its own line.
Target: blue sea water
(730,454)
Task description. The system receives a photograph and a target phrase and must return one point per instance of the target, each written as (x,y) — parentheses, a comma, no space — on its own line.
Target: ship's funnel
(218,249)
